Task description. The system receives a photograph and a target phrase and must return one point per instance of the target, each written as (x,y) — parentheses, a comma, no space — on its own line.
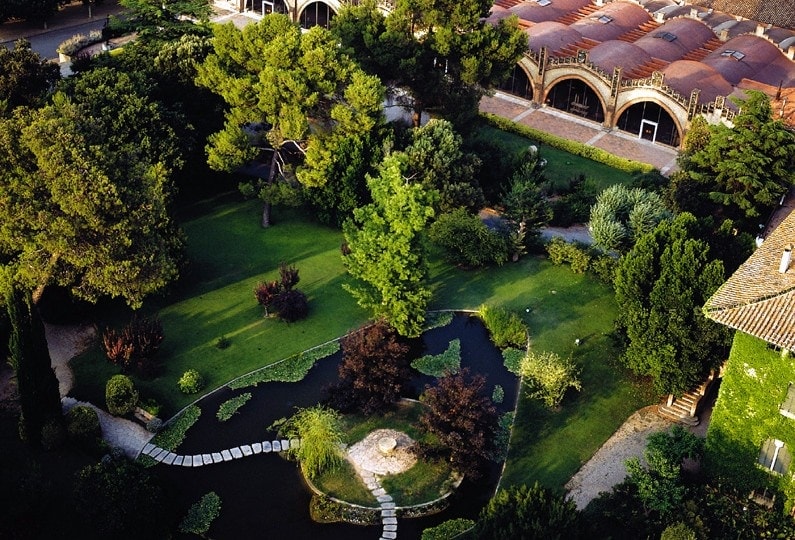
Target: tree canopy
(25,77)
(87,191)
(387,251)
(740,171)
(441,51)
(661,284)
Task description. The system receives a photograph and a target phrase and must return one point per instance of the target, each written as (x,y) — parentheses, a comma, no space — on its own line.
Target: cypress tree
(39,397)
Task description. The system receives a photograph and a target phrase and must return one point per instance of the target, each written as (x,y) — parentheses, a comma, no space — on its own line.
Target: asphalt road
(46,43)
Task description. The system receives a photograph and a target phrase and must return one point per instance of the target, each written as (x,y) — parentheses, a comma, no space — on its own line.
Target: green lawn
(562,166)
(230,253)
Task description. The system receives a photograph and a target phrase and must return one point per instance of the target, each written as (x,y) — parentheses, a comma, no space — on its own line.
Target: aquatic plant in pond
(201,515)
(291,369)
(229,408)
(512,359)
(437,319)
(437,365)
(174,433)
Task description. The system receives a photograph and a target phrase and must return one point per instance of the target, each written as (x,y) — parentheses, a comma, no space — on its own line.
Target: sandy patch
(366,455)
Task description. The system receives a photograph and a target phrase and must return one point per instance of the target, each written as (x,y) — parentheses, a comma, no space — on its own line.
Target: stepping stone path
(167,457)
(388,511)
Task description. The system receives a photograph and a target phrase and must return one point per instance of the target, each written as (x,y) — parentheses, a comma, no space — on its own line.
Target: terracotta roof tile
(757,299)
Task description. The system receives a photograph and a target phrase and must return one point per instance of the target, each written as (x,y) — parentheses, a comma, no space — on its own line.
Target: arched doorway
(316,14)
(649,121)
(575,97)
(518,84)
(266,7)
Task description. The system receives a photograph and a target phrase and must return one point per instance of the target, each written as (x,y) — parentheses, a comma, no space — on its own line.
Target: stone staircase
(683,409)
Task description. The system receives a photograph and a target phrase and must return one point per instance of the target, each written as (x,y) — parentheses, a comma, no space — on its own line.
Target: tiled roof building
(759,298)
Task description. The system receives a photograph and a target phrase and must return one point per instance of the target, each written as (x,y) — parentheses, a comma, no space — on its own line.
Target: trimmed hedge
(573,147)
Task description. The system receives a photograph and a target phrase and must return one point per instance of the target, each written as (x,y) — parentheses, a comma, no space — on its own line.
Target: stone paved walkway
(571,127)
(117,432)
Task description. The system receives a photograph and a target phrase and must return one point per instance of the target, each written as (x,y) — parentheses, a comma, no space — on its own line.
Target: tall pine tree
(39,397)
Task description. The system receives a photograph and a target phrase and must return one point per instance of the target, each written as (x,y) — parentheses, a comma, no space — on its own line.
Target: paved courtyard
(565,125)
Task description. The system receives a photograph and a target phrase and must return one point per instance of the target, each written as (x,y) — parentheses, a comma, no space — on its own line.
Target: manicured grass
(404,418)
(550,446)
(424,482)
(344,484)
(561,166)
(230,253)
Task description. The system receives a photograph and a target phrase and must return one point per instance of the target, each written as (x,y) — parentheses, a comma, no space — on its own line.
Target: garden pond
(265,494)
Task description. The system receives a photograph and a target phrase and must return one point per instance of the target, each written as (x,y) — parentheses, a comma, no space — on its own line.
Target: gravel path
(64,343)
(606,468)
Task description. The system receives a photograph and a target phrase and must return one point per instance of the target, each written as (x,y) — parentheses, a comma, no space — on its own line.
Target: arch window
(518,84)
(316,14)
(649,121)
(575,97)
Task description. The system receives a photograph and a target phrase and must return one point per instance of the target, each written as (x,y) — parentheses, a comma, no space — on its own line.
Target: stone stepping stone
(179,460)
(389,535)
(295,443)
(188,461)
(197,460)
(170,458)
(266,446)
(148,447)
(285,444)
(207,459)
(246,449)
(277,446)
(256,448)
(388,513)
(161,455)
(226,455)
(392,528)
(384,498)
(388,505)
(217,458)
(379,491)
(389,521)
(236,452)
(372,485)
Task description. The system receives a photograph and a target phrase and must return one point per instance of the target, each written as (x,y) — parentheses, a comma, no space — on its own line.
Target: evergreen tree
(661,285)
(39,398)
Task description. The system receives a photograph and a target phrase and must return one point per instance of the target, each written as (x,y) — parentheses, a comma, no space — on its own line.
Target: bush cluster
(82,426)
(467,241)
(582,258)
(573,147)
(280,298)
(73,44)
(135,347)
(548,376)
(191,382)
(506,327)
(121,396)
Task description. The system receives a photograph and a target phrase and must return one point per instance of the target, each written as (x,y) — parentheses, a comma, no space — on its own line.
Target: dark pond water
(265,495)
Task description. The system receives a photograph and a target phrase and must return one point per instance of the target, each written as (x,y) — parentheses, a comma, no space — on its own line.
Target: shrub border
(573,147)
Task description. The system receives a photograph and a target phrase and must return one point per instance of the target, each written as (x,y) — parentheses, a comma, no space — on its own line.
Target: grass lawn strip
(172,435)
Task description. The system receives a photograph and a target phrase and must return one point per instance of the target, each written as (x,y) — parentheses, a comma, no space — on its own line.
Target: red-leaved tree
(463,419)
(134,347)
(373,371)
(281,298)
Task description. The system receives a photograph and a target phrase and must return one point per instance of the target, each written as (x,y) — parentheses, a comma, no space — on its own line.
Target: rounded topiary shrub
(82,426)
(53,434)
(121,396)
(190,382)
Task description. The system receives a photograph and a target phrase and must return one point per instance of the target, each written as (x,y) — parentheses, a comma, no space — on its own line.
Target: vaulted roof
(758,299)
